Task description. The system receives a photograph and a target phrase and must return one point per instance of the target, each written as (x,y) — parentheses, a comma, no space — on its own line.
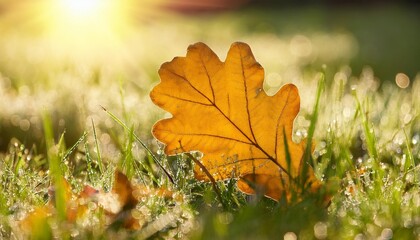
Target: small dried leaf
(124,190)
(124,218)
(77,206)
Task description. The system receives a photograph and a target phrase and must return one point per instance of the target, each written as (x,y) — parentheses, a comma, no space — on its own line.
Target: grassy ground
(367,134)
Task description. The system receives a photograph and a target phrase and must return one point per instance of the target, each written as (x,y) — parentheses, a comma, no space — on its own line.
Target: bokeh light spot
(290,236)
(320,230)
(402,80)
(301,46)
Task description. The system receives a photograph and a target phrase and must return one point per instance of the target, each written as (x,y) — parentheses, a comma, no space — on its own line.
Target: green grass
(367,152)
(376,194)
(366,133)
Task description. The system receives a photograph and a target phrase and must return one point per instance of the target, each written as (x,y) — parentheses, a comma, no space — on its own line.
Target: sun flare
(82,8)
(86,20)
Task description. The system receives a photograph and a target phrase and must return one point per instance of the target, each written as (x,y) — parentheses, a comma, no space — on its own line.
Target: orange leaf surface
(220,109)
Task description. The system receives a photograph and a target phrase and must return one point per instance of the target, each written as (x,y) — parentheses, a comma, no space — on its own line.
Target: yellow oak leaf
(221,110)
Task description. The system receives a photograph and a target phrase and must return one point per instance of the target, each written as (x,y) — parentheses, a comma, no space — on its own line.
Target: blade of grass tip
(212,180)
(370,142)
(71,150)
(314,118)
(409,151)
(346,152)
(61,143)
(20,162)
(117,120)
(127,161)
(98,152)
(54,167)
(368,131)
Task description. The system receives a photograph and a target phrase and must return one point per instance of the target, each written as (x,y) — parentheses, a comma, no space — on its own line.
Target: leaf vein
(246,98)
(208,135)
(187,100)
(209,79)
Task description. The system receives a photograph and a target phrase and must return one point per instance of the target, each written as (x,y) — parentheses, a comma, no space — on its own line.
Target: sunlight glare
(87,22)
(82,8)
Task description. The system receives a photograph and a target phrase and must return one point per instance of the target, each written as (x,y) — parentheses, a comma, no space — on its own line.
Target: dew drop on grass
(321,230)
(92,206)
(407,221)
(383,165)
(386,234)
(342,212)
(409,177)
(360,236)
(74,233)
(329,129)
(415,139)
(186,215)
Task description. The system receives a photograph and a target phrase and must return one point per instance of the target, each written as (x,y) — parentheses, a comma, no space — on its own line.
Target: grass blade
(367,130)
(314,118)
(54,167)
(98,152)
(126,128)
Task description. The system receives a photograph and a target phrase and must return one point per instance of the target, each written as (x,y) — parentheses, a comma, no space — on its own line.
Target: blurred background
(67,58)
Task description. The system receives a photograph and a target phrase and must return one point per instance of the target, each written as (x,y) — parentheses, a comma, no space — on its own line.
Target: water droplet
(360,236)
(386,234)
(321,230)
(415,139)
(74,233)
